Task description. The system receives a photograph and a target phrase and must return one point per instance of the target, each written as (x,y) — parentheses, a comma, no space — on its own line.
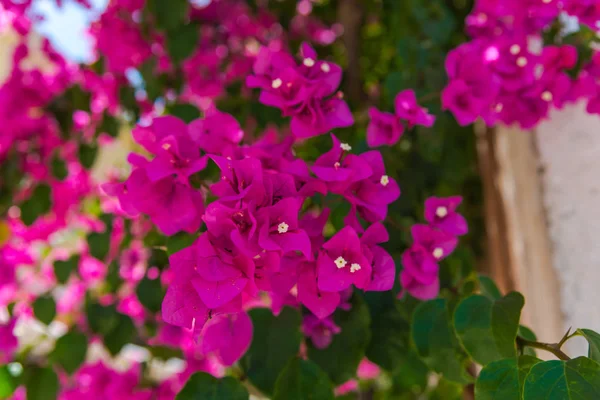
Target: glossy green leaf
(436,342)
(101,319)
(8,383)
(488,288)
(275,341)
(447,390)
(488,329)
(41,384)
(87,154)
(593,339)
(123,333)
(389,339)
(182,42)
(64,268)
(44,309)
(38,204)
(341,358)
(528,334)
(186,112)
(179,241)
(202,386)
(576,379)
(99,243)
(70,351)
(504,379)
(58,167)
(150,293)
(303,380)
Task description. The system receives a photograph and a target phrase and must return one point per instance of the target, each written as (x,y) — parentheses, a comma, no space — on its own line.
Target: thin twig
(552,348)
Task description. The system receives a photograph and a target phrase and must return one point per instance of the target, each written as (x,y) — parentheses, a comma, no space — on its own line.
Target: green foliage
(37,205)
(64,268)
(70,351)
(41,383)
(179,241)
(341,358)
(182,41)
(303,380)
(58,167)
(593,339)
(488,329)
(275,341)
(504,379)
(436,343)
(186,112)
(8,383)
(206,387)
(566,380)
(44,309)
(150,293)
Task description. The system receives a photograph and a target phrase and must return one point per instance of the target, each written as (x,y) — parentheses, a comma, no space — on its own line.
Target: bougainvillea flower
(341,263)
(320,303)
(227,337)
(441,213)
(440,244)
(320,330)
(385,129)
(218,133)
(407,109)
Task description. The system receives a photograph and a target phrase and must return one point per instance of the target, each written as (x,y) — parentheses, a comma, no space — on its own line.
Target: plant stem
(552,348)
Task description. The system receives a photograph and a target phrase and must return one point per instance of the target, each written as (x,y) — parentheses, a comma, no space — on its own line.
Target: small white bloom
(340,262)
(384,180)
(325,67)
(309,62)
(354,267)
(547,96)
(282,227)
(515,49)
(441,211)
(345,146)
(521,61)
(438,252)
(276,84)
(337,165)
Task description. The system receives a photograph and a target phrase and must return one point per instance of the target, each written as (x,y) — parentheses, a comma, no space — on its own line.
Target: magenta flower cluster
(431,244)
(508,74)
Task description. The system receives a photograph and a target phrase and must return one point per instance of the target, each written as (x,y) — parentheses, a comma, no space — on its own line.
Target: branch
(552,348)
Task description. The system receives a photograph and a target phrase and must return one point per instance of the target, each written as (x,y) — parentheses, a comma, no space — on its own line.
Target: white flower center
(441,211)
(354,267)
(309,62)
(325,67)
(547,96)
(282,227)
(384,180)
(276,84)
(515,49)
(345,146)
(499,107)
(340,262)
(521,61)
(438,252)
(336,165)
(547,1)
(166,146)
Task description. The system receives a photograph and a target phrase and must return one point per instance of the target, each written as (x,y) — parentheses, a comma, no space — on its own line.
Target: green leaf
(447,390)
(122,334)
(488,288)
(150,293)
(488,329)
(179,241)
(565,380)
(101,320)
(63,268)
(41,384)
(70,351)
(58,167)
(165,352)
(528,334)
(206,387)
(182,42)
(389,339)
(341,358)
(593,339)
(38,204)
(44,309)
(303,380)
(504,379)
(87,154)
(99,242)
(168,14)
(8,383)
(274,342)
(186,112)
(436,342)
